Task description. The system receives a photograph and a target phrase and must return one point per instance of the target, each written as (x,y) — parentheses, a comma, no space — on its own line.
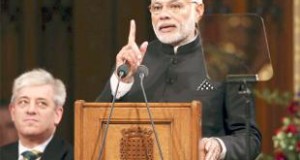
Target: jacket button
(170,80)
(174,61)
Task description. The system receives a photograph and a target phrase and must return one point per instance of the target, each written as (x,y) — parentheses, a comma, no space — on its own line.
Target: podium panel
(130,134)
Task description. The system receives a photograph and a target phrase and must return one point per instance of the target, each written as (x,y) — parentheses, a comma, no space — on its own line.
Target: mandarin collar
(185,49)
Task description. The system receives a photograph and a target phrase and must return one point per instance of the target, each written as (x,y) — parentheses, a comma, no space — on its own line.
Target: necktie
(31,155)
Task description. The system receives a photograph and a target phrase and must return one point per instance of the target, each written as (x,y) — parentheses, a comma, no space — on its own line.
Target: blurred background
(77,41)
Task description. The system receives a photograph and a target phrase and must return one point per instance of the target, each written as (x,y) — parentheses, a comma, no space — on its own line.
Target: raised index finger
(131,36)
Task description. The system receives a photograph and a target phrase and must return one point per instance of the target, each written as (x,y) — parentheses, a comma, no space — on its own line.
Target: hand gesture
(131,54)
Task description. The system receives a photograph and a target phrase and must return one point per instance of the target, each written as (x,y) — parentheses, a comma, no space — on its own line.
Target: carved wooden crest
(136,144)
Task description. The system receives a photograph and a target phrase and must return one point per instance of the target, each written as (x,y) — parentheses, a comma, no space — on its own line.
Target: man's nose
(164,13)
(31,107)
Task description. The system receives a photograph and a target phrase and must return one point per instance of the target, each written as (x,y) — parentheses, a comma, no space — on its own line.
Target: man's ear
(200,11)
(11,109)
(58,114)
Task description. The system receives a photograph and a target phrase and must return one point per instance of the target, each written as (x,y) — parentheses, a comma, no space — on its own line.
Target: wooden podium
(130,135)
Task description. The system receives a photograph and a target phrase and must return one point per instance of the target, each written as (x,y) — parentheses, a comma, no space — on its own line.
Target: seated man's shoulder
(9,146)
(63,149)
(9,151)
(60,141)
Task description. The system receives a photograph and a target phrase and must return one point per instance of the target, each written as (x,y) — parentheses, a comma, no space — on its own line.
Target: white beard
(183,31)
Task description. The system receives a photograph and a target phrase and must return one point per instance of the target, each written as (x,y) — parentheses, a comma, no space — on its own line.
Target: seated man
(36,109)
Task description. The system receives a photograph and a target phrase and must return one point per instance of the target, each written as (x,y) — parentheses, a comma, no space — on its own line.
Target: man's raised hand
(131,53)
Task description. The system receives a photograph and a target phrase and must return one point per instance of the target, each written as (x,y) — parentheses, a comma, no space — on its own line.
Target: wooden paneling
(280,36)
(9,47)
(29,34)
(297,47)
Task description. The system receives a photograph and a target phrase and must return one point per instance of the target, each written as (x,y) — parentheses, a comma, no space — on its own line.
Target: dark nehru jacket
(182,77)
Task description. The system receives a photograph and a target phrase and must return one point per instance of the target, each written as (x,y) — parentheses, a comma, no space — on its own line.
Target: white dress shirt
(123,87)
(40,148)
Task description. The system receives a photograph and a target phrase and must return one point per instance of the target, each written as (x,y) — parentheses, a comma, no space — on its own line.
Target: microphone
(122,70)
(143,71)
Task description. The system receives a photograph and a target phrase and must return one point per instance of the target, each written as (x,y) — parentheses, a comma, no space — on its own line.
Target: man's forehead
(196,1)
(36,91)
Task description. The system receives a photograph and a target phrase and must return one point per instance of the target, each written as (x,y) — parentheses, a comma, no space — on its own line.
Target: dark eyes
(42,103)
(22,102)
(174,7)
(26,102)
(156,8)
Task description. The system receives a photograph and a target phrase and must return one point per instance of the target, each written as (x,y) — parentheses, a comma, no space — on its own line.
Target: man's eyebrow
(41,99)
(22,97)
(171,1)
(26,97)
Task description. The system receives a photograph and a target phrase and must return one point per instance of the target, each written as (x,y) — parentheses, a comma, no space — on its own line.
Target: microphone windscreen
(142,69)
(122,70)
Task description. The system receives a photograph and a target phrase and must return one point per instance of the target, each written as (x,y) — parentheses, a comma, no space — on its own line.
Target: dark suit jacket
(57,149)
(182,77)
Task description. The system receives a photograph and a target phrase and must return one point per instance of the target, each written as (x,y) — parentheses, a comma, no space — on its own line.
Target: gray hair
(38,77)
(196,1)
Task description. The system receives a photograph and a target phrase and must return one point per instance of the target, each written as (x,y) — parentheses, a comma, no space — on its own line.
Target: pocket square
(205,86)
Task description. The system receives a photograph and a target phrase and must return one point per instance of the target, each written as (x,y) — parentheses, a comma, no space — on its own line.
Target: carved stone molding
(10,10)
(136,143)
(59,8)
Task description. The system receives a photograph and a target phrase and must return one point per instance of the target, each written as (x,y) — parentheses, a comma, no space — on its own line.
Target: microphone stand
(143,71)
(120,75)
(245,91)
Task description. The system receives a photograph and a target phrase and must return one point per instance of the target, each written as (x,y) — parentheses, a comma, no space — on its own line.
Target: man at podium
(177,74)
